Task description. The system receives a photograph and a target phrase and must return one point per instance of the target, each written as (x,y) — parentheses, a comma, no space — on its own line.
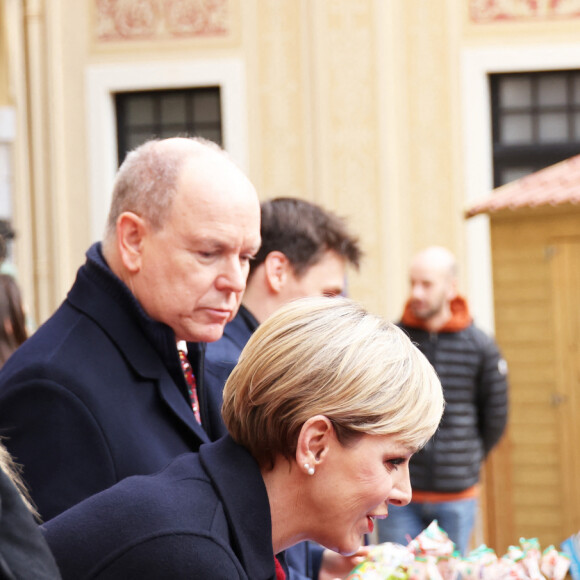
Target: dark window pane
(513,173)
(516,128)
(140,111)
(535,121)
(553,128)
(168,132)
(211,135)
(135,138)
(173,109)
(577,126)
(207,108)
(552,91)
(576,89)
(167,113)
(515,92)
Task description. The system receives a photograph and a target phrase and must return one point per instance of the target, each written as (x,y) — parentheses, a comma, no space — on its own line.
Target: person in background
(7,234)
(325,409)
(24,552)
(100,391)
(305,251)
(13,330)
(445,473)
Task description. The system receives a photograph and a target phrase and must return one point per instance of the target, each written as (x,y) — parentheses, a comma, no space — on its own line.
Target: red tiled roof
(554,185)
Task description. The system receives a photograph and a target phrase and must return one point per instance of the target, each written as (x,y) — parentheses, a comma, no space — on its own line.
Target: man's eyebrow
(254,248)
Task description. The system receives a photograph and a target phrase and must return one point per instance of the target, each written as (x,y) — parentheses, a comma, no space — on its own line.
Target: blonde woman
(325,409)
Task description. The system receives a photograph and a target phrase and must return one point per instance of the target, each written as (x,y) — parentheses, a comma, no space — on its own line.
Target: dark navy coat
(97,394)
(206,516)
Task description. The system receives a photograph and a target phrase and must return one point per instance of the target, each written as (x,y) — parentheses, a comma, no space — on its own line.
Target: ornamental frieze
(126,20)
(522,10)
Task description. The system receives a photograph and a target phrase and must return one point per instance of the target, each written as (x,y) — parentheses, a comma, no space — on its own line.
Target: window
(167,113)
(536,121)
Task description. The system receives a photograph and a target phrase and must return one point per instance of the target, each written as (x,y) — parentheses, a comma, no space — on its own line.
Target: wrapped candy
(432,556)
(553,564)
(385,561)
(432,541)
(424,568)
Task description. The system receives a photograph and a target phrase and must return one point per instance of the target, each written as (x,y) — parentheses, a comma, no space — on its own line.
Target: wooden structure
(533,477)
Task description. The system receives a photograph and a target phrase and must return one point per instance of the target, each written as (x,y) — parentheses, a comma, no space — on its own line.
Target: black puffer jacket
(473,376)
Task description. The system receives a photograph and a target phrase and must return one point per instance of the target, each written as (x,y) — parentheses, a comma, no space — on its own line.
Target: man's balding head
(433,278)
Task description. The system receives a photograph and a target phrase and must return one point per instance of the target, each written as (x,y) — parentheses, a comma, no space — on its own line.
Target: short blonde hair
(328,356)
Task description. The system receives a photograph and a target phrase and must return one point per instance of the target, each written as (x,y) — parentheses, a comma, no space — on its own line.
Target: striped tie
(191,384)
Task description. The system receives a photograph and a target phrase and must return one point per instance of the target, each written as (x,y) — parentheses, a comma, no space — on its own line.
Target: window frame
(535,154)
(102,81)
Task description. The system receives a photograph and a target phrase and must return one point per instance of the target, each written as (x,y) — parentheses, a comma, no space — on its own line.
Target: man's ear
(277,268)
(130,234)
(314,441)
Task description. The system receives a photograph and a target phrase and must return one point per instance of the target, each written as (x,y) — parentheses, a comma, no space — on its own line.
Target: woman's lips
(371,521)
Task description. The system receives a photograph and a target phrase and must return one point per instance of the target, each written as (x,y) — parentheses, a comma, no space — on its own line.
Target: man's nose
(416,291)
(233,276)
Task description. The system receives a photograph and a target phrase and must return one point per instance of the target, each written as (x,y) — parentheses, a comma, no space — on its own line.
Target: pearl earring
(310,470)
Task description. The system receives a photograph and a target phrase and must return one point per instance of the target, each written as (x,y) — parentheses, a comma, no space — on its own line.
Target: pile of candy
(432,556)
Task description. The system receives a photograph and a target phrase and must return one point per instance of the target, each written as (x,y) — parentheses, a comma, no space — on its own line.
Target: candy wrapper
(553,564)
(386,561)
(571,547)
(432,541)
(432,556)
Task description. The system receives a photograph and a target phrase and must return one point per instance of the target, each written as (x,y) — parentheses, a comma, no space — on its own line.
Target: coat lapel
(137,350)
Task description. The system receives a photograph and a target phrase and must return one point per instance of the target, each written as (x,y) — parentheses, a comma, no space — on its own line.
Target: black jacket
(23,551)
(473,376)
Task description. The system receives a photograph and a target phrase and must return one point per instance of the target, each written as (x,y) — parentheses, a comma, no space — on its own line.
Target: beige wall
(357,105)
(4,92)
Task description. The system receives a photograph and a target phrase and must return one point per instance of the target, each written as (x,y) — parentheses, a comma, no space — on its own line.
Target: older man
(99,393)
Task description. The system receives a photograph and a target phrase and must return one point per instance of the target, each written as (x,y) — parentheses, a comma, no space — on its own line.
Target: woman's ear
(130,235)
(314,442)
(276,268)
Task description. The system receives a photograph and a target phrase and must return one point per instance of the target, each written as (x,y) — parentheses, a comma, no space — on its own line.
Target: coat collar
(460,317)
(149,346)
(240,487)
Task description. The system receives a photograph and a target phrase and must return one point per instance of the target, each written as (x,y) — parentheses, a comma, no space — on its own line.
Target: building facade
(396,114)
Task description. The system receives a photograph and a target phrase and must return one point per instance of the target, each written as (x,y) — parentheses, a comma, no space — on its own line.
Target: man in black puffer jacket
(445,474)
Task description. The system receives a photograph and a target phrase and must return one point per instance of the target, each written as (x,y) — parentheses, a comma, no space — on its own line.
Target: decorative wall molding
(138,20)
(483,11)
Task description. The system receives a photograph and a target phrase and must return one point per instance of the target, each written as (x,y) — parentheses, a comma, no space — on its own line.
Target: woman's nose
(401,493)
